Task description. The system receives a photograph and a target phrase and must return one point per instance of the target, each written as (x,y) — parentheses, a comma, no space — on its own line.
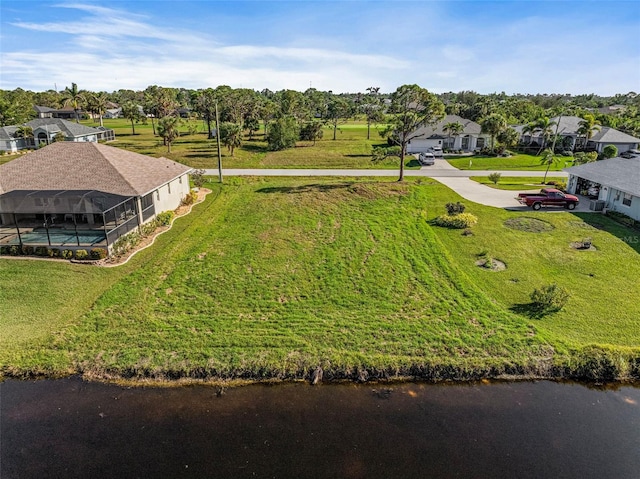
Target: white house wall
(169,196)
(614,202)
(418,146)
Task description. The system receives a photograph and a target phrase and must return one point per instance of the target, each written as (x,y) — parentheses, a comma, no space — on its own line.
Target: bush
(549,298)
(459,221)
(455,208)
(190,198)
(609,151)
(197,177)
(41,251)
(82,254)
(165,218)
(566,153)
(494,178)
(66,254)
(53,253)
(98,253)
(28,250)
(14,250)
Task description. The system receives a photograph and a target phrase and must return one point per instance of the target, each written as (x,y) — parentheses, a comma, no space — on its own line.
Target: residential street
(457,180)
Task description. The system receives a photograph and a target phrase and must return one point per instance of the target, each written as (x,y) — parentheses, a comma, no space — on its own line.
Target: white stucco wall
(169,196)
(420,145)
(614,202)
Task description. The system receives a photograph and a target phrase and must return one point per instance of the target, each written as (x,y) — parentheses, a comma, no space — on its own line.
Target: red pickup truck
(548,197)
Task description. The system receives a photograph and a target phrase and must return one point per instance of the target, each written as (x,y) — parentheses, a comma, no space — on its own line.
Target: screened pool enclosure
(70,218)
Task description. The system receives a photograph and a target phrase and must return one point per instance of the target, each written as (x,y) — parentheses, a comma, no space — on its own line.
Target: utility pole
(218,143)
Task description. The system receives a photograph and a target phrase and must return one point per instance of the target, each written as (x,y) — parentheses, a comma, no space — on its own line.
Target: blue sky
(344,46)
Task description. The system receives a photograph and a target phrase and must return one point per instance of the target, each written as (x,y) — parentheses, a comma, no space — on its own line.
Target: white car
(437,151)
(427,159)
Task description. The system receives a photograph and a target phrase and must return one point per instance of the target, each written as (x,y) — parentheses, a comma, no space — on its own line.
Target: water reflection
(69,428)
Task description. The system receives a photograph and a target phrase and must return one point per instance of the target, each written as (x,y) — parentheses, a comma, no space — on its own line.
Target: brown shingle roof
(88,166)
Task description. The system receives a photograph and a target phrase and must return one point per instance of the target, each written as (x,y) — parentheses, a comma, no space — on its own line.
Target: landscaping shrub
(190,198)
(165,218)
(549,298)
(82,254)
(66,254)
(459,221)
(28,250)
(53,253)
(494,178)
(41,251)
(621,218)
(14,250)
(455,208)
(98,253)
(197,177)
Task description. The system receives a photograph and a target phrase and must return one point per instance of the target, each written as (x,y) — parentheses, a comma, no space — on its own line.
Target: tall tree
(548,158)
(131,111)
(371,106)
(74,98)
(586,128)
(168,130)
(231,135)
(206,105)
(97,104)
(452,129)
(283,133)
(493,125)
(339,110)
(412,107)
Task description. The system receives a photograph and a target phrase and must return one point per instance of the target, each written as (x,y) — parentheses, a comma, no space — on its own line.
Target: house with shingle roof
(568,128)
(79,195)
(45,131)
(471,137)
(616,181)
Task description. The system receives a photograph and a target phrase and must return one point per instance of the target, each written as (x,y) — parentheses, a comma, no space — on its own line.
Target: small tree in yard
(609,151)
(168,130)
(549,298)
(283,133)
(197,177)
(311,131)
(231,135)
(494,178)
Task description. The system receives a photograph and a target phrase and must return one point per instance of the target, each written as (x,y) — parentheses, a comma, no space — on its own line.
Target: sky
(575,47)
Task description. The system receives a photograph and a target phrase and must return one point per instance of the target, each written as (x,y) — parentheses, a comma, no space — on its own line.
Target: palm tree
(131,112)
(545,126)
(97,103)
(529,129)
(168,130)
(548,158)
(452,129)
(25,132)
(586,127)
(493,124)
(74,98)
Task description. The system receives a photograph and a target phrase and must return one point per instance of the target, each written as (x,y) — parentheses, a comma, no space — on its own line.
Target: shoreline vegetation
(288,279)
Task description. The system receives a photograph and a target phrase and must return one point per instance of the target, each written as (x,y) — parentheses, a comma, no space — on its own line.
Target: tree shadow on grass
(254,148)
(530,310)
(413,162)
(306,188)
(628,234)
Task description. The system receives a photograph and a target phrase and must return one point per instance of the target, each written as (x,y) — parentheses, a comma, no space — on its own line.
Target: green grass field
(517,162)
(269,278)
(351,149)
(516,183)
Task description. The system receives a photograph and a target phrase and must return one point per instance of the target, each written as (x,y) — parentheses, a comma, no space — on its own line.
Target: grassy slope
(351,149)
(276,276)
(516,162)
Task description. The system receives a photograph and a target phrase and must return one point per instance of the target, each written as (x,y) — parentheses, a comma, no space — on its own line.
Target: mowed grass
(516,162)
(273,277)
(516,183)
(350,149)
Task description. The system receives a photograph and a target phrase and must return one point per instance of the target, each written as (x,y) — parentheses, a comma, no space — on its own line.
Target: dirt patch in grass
(491,264)
(582,246)
(528,224)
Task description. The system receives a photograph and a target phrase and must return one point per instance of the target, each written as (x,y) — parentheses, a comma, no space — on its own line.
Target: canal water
(74,429)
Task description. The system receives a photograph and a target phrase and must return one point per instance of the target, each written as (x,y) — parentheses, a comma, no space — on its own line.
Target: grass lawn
(516,183)
(516,162)
(351,149)
(273,277)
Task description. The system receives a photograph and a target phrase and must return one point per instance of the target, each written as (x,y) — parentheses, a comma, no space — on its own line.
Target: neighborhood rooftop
(88,166)
(619,173)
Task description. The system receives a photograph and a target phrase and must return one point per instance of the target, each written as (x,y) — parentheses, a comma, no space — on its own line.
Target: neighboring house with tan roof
(471,137)
(81,195)
(45,131)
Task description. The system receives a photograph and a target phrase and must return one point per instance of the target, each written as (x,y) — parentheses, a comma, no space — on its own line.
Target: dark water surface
(73,429)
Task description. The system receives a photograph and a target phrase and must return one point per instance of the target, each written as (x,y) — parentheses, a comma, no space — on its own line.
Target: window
(180,180)
(169,187)
(157,195)
(626,199)
(480,143)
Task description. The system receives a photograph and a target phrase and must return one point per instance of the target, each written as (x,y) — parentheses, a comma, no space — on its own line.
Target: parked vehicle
(426,159)
(437,151)
(548,197)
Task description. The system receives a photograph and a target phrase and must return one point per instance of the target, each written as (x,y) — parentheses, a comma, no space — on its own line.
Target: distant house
(66,113)
(113,113)
(469,139)
(615,182)
(568,129)
(81,195)
(45,131)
